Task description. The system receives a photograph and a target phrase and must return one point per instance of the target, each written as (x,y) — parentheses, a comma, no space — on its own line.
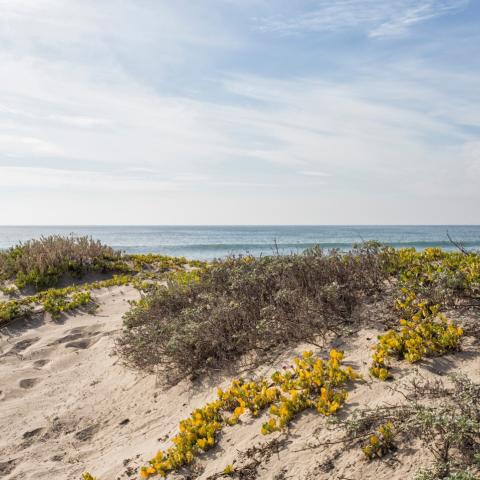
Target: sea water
(208,242)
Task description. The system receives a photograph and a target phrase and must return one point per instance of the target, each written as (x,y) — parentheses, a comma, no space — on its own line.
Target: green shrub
(42,263)
(209,317)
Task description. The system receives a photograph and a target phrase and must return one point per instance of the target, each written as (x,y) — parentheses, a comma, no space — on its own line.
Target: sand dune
(67,405)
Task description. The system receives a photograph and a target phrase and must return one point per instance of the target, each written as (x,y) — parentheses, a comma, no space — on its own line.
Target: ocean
(208,242)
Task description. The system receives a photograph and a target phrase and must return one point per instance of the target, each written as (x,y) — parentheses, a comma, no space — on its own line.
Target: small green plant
(8,290)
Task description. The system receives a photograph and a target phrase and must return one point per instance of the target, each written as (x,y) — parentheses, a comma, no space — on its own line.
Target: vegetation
(311,384)
(445,419)
(427,281)
(425,333)
(45,262)
(436,275)
(202,317)
(50,260)
(237,306)
(381,442)
(216,315)
(87,476)
(57,301)
(246,306)
(42,263)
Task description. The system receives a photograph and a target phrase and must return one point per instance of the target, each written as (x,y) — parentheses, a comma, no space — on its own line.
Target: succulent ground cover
(312,383)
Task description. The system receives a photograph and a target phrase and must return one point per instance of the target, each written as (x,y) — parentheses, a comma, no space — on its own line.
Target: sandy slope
(67,405)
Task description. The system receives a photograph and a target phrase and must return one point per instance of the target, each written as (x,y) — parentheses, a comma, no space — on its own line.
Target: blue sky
(239,112)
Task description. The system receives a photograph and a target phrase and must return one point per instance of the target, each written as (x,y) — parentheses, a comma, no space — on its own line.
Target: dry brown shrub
(244,304)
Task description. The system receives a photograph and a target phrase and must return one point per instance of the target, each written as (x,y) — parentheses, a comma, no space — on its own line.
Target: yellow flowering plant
(310,383)
(426,333)
(380,443)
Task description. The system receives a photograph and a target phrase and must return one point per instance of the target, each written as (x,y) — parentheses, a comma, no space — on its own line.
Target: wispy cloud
(376,17)
(184,112)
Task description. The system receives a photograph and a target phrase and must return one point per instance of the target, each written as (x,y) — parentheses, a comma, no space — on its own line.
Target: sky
(239,112)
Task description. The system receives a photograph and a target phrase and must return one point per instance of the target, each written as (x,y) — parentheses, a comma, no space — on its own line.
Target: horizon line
(249,225)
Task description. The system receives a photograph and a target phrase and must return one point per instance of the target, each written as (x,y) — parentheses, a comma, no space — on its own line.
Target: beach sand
(67,405)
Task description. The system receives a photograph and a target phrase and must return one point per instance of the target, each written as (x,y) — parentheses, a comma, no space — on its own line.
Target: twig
(457,244)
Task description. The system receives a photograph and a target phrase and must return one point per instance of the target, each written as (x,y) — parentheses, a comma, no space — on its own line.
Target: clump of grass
(42,263)
(212,316)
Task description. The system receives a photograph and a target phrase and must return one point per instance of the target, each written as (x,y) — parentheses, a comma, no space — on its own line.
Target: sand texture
(67,405)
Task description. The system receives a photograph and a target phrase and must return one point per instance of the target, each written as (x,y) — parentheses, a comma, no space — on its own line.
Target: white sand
(67,406)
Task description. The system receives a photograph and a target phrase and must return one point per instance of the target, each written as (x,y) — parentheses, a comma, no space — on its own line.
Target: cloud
(16,145)
(376,17)
(182,111)
(37,178)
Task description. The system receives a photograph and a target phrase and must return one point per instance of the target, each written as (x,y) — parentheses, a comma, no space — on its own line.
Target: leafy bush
(41,263)
(212,316)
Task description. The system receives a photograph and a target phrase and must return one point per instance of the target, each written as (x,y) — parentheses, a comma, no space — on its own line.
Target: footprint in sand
(7,467)
(23,345)
(41,363)
(77,330)
(87,433)
(33,433)
(79,344)
(28,382)
(66,338)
